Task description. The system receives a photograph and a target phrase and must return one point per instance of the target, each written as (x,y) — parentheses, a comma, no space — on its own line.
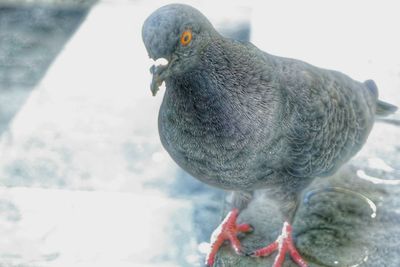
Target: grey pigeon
(241,119)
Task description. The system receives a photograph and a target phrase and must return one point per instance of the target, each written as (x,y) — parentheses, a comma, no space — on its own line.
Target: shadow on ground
(31,38)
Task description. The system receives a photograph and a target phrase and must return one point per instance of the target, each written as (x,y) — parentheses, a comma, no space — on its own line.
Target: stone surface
(31,38)
(54,3)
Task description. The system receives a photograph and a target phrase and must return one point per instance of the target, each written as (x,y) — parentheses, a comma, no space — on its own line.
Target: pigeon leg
(227,230)
(283,244)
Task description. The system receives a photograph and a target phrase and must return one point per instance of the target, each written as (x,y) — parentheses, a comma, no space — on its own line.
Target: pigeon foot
(227,230)
(283,244)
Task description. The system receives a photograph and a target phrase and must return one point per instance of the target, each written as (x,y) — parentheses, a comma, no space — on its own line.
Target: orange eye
(186,37)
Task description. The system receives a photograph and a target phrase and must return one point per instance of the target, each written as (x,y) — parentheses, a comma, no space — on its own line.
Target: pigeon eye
(186,37)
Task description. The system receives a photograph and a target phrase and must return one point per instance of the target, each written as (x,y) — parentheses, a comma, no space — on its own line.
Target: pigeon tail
(382,108)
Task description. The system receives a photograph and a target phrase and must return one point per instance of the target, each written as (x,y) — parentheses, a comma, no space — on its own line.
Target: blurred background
(84,180)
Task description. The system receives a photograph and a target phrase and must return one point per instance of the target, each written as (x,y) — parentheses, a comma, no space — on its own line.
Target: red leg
(283,244)
(266,251)
(227,230)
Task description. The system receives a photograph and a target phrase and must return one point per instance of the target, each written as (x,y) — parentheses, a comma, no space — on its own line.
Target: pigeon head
(177,33)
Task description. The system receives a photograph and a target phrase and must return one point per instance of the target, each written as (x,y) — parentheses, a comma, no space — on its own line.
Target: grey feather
(241,119)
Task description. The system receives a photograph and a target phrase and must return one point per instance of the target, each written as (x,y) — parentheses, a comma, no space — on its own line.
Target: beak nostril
(161,62)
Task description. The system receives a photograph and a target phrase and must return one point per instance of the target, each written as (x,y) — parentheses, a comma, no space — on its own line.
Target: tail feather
(384,108)
(388,121)
(371,85)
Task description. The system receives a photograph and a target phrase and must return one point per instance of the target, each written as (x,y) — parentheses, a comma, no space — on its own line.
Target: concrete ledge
(333,229)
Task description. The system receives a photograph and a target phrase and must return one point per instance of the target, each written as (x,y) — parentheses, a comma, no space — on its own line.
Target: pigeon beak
(160,72)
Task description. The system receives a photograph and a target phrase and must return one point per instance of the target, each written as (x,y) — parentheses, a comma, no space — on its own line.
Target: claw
(283,244)
(227,230)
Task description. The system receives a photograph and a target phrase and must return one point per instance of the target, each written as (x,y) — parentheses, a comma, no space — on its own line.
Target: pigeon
(240,119)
